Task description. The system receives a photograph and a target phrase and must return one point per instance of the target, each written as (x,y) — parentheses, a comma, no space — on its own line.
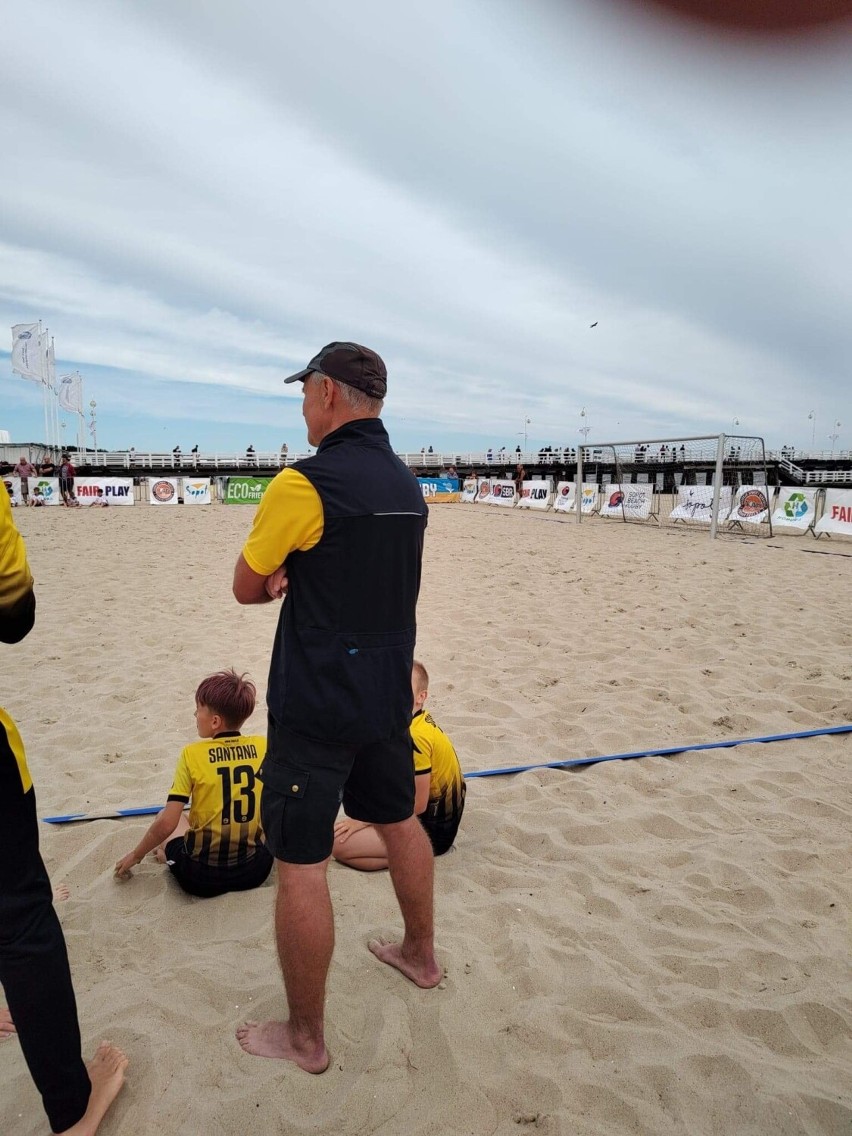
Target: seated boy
(220,847)
(439,791)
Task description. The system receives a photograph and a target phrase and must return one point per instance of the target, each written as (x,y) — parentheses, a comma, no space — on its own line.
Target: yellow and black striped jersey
(434,754)
(218,777)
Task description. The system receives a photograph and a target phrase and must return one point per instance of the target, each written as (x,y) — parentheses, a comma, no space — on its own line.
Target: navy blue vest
(341,665)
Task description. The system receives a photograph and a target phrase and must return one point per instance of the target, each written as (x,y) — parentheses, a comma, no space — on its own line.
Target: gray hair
(355,399)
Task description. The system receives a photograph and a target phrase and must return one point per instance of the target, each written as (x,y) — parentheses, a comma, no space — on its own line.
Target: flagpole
(54,402)
(43,369)
(81,421)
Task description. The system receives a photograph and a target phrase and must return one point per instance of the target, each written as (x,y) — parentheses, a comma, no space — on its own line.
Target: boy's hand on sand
(344,828)
(276,584)
(122,868)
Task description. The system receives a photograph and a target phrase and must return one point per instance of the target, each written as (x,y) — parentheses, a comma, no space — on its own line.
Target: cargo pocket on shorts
(284,779)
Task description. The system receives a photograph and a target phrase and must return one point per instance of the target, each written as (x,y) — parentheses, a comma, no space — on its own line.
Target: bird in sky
(595,324)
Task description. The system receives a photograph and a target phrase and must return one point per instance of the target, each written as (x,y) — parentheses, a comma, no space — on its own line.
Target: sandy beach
(658,946)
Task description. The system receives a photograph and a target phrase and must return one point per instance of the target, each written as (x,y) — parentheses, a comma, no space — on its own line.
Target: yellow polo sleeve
(15,577)
(289,518)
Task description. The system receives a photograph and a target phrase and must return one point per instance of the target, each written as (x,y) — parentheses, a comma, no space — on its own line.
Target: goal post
(718,480)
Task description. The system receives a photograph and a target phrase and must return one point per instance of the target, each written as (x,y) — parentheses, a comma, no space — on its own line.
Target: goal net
(719,482)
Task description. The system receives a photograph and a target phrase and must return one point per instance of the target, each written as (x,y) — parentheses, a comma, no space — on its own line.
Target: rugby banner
(469,487)
(113,490)
(245,490)
(632,501)
(795,509)
(13,488)
(836,513)
(751,505)
(695,503)
(502,492)
(196,491)
(439,489)
(163,491)
(535,494)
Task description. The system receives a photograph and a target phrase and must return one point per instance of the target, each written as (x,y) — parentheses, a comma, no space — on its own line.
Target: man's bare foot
(425,974)
(7,1026)
(272,1039)
(61,893)
(106,1072)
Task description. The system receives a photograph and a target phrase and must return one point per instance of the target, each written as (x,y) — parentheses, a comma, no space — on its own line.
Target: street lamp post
(734,422)
(523,433)
(812,418)
(833,436)
(585,428)
(93,424)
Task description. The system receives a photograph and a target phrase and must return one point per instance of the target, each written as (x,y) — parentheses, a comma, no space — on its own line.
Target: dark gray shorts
(305,782)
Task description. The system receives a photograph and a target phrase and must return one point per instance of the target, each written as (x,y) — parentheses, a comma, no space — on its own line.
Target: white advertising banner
(695,503)
(633,501)
(469,488)
(48,489)
(837,513)
(111,490)
(535,494)
(751,505)
(502,492)
(163,491)
(483,490)
(565,498)
(196,491)
(13,488)
(795,509)
(589,498)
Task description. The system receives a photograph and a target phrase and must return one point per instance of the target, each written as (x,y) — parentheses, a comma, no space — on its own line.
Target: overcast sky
(198,194)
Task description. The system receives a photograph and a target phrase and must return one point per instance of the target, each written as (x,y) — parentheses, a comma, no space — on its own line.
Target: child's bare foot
(7,1026)
(272,1039)
(106,1072)
(422,972)
(61,893)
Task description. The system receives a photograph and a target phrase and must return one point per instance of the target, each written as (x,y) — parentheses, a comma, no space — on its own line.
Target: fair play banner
(502,492)
(695,503)
(113,490)
(49,487)
(795,509)
(751,505)
(633,501)
(483,490)
(535,494)
(13,488)
(196,491)
(163,491)
(837,513)
(468,493)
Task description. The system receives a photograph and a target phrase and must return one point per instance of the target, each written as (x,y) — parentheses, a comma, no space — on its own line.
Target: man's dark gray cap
(349,363)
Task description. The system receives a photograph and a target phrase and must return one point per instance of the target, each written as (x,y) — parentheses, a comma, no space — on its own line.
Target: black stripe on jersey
(243,845)
(223,857)
(206,841)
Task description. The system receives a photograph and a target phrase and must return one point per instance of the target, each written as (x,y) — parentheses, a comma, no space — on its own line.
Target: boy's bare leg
(412,867)
(7,1026)
(181,827)
(106,1072)
(364,850)
(304,930)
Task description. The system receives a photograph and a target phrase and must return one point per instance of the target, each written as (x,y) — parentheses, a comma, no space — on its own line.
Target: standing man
(67,473)
(25,470)
(34,968)
(341,534)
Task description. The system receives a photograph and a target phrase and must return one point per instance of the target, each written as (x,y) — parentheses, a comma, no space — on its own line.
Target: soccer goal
(717,480)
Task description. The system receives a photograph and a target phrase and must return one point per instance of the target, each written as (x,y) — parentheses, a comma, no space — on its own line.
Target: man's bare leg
(412,869)
(7,1026)
(106,1072)
(304,931)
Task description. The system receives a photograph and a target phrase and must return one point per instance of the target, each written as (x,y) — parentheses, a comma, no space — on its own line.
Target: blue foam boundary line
(572,762)
(505,770)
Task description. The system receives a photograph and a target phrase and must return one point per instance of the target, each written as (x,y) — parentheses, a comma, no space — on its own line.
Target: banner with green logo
(245,490)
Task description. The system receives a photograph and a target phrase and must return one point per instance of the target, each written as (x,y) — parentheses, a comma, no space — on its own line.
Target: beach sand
(654,946)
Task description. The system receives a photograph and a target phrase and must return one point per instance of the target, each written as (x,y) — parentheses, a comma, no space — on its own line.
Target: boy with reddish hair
(219,847)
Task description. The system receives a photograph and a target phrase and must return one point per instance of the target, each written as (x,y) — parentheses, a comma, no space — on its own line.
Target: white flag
(71,393)
(26,352)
